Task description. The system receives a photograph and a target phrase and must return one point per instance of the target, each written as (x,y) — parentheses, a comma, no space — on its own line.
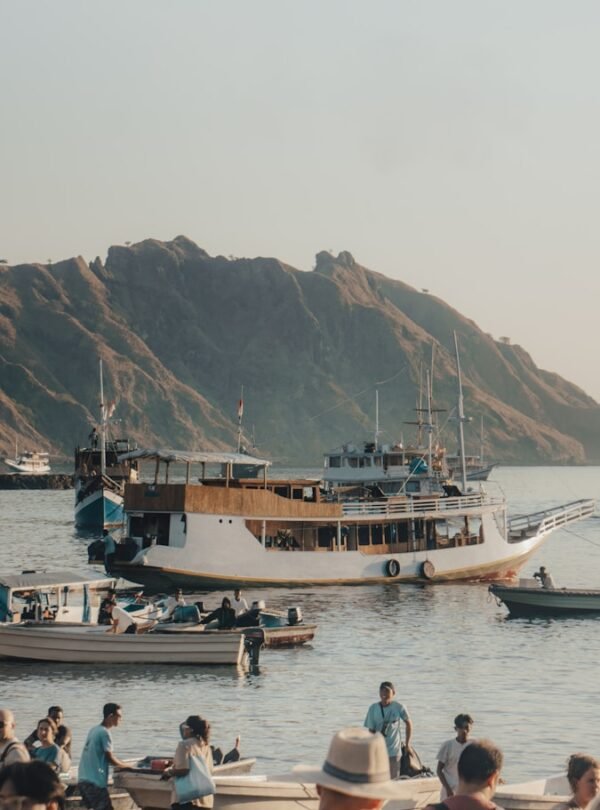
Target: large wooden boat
(223,532)
(530,599)
(94,645)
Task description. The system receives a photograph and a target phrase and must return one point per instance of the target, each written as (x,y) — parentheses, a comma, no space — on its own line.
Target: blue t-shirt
(387,722)
(51,754)
(93,766)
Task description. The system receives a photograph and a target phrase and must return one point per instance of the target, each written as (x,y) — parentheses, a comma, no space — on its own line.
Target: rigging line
(358,394)
(581,537)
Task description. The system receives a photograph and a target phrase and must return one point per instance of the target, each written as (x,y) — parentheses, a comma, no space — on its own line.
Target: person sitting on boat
(239,604)
(223,618)
(545,578)
(63,734)
(583,773)
(48,751)
(385,717)
(479,769)
(34,782)
(355,774)
(104,611)
(449,754)
(172,603)
(122,622)
(195,743)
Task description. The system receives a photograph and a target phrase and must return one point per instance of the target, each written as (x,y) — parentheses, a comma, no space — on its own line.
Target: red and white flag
(240,410)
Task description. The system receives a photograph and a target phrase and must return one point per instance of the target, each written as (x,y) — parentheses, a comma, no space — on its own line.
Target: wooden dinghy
(532,600)
(251,793)
(92,644)
(539,794)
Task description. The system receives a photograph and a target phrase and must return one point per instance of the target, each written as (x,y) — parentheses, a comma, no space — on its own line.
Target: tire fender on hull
(427,570)
(392,568)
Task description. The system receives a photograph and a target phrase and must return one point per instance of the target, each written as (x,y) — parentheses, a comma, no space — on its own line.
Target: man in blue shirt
(385,717)
(96,758)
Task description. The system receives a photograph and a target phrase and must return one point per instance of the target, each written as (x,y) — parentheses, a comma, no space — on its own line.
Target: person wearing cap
(355,774)
(545,578)
(479,769)
(385,717)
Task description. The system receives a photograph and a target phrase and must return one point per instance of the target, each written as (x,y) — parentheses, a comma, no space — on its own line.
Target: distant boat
(530,599)
(29,462)
(100,477)
(477,468)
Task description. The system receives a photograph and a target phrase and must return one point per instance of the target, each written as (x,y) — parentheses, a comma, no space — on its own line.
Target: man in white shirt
(122,622)
(449,754)
(172,603)
(238,603)
(545,578)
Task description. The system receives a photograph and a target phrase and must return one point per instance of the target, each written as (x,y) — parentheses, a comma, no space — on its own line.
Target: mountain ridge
(180,331)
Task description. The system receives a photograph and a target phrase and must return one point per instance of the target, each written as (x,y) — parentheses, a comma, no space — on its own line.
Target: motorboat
(63,642)
(529,598)
(539,794)
(53,596)
(29,462)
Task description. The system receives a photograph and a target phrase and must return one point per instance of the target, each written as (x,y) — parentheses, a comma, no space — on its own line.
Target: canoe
(241,793)
(79,644)
(538,601)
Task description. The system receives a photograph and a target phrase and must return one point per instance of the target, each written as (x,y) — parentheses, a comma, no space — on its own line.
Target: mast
(461,419)
(481,440)
(240,415)
(429,426)
(102,425)
(376,420)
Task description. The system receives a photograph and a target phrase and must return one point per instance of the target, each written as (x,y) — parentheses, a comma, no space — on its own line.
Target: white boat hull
(95,645)
(218,551)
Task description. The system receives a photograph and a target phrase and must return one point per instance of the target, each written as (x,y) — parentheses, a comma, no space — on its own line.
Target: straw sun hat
(357,764)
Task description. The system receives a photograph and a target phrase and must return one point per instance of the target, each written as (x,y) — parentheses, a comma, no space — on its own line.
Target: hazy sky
(451,144)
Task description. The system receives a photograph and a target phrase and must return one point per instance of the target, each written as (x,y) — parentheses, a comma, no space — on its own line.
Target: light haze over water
(531,685)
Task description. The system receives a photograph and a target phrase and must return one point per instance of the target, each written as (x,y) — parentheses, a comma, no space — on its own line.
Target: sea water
(530,684)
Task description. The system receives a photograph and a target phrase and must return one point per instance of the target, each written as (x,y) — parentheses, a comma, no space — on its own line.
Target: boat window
(395,461)
(335,461)
(376,535)
(412,486)
(352,462)
(365,462)
(363,535)
(284,492)
(297,494)
(378,461)
(309,494)
(325,536)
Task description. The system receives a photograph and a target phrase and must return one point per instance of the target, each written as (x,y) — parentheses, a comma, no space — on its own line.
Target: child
(449,754)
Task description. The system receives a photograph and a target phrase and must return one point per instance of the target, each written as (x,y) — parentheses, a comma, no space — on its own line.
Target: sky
(451,145)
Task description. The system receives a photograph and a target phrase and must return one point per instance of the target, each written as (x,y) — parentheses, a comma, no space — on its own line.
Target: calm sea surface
(531,685)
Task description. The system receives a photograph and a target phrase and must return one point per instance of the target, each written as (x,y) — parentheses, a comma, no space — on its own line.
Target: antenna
(102,425)
(460,416)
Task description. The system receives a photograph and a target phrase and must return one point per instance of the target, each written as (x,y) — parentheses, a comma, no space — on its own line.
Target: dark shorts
(94,797)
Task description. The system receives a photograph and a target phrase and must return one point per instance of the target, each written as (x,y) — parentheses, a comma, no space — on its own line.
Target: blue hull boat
(99,509)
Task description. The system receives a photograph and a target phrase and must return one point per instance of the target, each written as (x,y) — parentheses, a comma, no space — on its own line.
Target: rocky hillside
(179,333)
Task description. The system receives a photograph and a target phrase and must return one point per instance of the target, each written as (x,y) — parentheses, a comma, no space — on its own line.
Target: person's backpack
(411,765)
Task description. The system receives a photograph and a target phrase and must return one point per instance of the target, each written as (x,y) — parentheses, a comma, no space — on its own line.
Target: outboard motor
(253,641)
(294,616)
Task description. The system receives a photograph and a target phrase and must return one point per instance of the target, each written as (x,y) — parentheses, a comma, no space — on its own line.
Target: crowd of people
(361,770)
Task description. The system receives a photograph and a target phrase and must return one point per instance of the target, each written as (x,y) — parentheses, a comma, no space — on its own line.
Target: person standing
(63,733)
(385,717)
(48,751)
(195,743)
(239,604)
(449,754)
(96,758)
(479,769)
(110,549)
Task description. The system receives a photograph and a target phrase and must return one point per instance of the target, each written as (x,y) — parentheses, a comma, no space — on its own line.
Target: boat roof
(195,457)
(37,579)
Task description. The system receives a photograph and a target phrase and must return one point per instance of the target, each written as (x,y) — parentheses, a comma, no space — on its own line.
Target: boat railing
(549,519)
(403,506)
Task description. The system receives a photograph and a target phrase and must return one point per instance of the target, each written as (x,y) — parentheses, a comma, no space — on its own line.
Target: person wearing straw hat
(355,774)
